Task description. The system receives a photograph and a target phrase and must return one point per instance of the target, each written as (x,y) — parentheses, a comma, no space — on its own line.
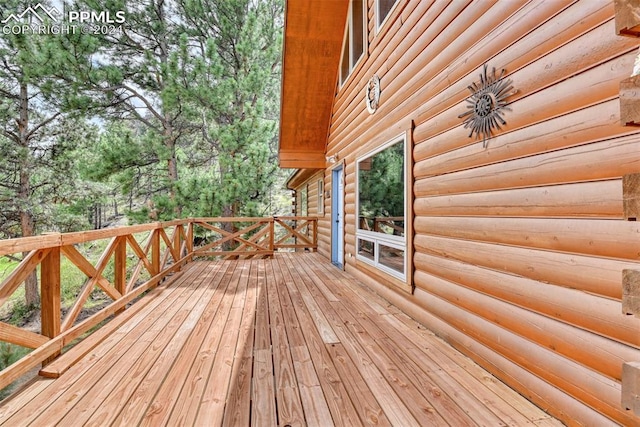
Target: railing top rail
(253,219)
(52,240)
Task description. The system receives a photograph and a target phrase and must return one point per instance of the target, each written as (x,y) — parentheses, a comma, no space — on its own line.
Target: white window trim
(347,43)
(381,238)
(380,25)
(320,208)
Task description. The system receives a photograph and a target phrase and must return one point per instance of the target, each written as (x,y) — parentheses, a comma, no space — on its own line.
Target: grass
(15,312)
(7,265)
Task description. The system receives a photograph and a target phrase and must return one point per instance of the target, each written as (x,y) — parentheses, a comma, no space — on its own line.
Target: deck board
(289,341)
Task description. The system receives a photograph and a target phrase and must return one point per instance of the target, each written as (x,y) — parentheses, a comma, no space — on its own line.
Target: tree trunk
(172,164)
(27,223)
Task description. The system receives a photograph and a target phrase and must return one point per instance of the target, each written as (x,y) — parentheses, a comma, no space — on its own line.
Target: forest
(169,110)
(165,117)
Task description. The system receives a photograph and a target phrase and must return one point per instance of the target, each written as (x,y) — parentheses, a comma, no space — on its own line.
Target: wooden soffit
(300,177)
(313,37)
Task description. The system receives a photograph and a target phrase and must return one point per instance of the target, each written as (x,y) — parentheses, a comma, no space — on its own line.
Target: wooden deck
(287,341)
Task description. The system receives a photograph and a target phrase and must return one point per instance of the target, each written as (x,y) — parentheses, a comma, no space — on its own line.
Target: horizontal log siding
(519,247)
(311,185)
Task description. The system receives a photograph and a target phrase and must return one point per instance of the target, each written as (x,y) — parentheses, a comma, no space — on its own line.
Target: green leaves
(182,105)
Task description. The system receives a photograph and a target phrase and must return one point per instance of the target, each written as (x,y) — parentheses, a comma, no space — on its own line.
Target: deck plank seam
(211,291)
(155,402)
(69,380)
(148,356)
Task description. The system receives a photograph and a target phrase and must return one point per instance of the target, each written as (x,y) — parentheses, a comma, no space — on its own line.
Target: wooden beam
(630,101)
(631,196)
(189,238)
(50,293)
(631,292)
(120,267)
(141,254)
(20,273)
(169,242)
(631,387)
(627,18)
(155,251)
(23,337)
(24,244)
(50,296)
(87,268)
(75,310)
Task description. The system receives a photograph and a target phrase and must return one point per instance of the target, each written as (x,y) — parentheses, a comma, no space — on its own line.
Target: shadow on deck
(286,341)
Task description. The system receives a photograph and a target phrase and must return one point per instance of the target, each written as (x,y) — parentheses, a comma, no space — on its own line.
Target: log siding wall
(312,187)
(520,246)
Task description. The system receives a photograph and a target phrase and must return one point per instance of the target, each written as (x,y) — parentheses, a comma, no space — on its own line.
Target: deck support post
(272,235)
(120,273)
(50,296)
(155,251)
(177,236)
(315,235)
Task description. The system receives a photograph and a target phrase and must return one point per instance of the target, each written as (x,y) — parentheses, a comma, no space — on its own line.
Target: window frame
(384,239)
(320,208)
(347,42)
(304,200)
(381,24)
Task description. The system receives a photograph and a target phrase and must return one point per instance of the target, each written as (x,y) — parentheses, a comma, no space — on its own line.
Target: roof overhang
(299,177)
(313,36)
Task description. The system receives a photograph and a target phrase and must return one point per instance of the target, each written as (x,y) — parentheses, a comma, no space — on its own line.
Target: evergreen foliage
(174,115)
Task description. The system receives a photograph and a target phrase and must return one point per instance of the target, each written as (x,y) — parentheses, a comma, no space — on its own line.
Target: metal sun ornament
(372,94)
(487,104)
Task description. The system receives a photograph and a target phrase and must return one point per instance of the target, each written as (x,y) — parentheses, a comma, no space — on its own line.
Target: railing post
(315,235)
(272,235)
(155,250)
(177,236)
(50,296)
(190,240)
(120,267)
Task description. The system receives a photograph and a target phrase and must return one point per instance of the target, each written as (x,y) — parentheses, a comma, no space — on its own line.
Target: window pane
(320,197)
(384,7)
(381,191)
(304,205)
(344,66)
(392,258)
(357,39)
(366,249)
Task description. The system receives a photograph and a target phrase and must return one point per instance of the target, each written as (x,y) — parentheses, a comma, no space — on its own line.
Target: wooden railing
(383,221)
(252,237)
(134,260)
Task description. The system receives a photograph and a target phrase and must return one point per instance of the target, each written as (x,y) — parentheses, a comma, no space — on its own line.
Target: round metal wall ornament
(487,104)
(372,95)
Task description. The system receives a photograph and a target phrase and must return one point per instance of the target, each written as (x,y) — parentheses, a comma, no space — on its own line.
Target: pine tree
(235,82)
(137,78)
(34,102)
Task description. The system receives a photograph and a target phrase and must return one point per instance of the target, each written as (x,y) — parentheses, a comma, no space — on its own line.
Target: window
(304,205)
(383,10)
(320,197)
(381,207)
(354,39)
